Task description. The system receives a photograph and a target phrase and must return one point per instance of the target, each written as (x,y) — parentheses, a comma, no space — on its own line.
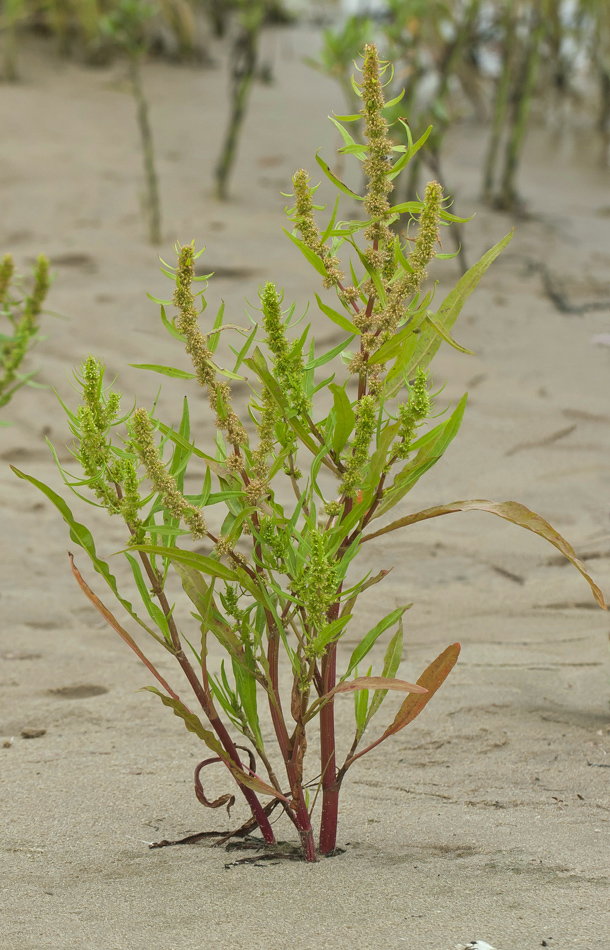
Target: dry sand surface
(489,817)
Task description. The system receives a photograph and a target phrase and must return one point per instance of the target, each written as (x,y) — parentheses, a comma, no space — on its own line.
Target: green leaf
(200,562)
(440,329)
(171,327)
(83,537)
(404,160)
(336,317)
(347,138)
(192,723)
(164,370)
(431,448)
(330,634)
(451,307)
(307,253)
(200,593)
(368,642)
(258,363)
(345,418)
(394,102)
(337,181)
(346,118)
(354,149)
(330,355)
(373,274)
(214,338)
(391,663)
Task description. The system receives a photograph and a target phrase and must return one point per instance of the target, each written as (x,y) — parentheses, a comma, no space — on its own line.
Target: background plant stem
(152,189)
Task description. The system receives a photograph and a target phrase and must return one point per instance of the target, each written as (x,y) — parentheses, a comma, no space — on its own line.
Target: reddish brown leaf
(114,623)
(431,679)
(376,682)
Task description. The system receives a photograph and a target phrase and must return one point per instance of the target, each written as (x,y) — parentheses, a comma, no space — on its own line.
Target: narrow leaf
(511,511)
(367,643)
(164,370)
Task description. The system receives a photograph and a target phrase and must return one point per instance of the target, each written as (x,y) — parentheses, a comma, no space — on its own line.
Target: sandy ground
(489,817)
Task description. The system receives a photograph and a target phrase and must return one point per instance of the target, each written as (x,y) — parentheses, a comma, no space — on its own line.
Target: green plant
(278,579)
(243,61)
(22,310)
(125,26)
(13,11)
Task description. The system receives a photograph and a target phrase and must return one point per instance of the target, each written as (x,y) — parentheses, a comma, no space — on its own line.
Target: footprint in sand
(83,691)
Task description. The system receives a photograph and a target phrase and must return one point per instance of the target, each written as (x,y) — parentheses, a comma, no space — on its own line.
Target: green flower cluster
(111,475)
(219,393)
(173,500)
(316,585)
(413,413)
(14,348)
(304,222)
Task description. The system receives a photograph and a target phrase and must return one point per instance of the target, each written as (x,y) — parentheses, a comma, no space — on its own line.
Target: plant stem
(11,72)
(152,197)
(330,789)
(604,114)
(205,701)
(244,56)
(501,105)
(508,198)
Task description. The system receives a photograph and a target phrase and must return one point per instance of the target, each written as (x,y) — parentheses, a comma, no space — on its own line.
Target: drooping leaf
(509,510)
(194,724)
(200,562)
(81,535)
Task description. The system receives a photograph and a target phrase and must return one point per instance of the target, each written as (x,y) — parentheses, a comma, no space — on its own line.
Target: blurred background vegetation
(494,59)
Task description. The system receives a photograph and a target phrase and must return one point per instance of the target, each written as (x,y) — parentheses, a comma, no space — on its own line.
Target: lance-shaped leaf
(364,682)
(450,309)
(391,663)
(336,317)
(366,644)
(81,535)
(114,623)
(431,680)
(200,594)
(207,565)
(307,253)
(194,724)
(337,181)
(509,510)
(375,682)
(165,370)
(430,448)
(444,333)
(345,418)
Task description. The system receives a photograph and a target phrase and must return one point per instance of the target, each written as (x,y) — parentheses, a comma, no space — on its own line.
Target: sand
(489,817)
